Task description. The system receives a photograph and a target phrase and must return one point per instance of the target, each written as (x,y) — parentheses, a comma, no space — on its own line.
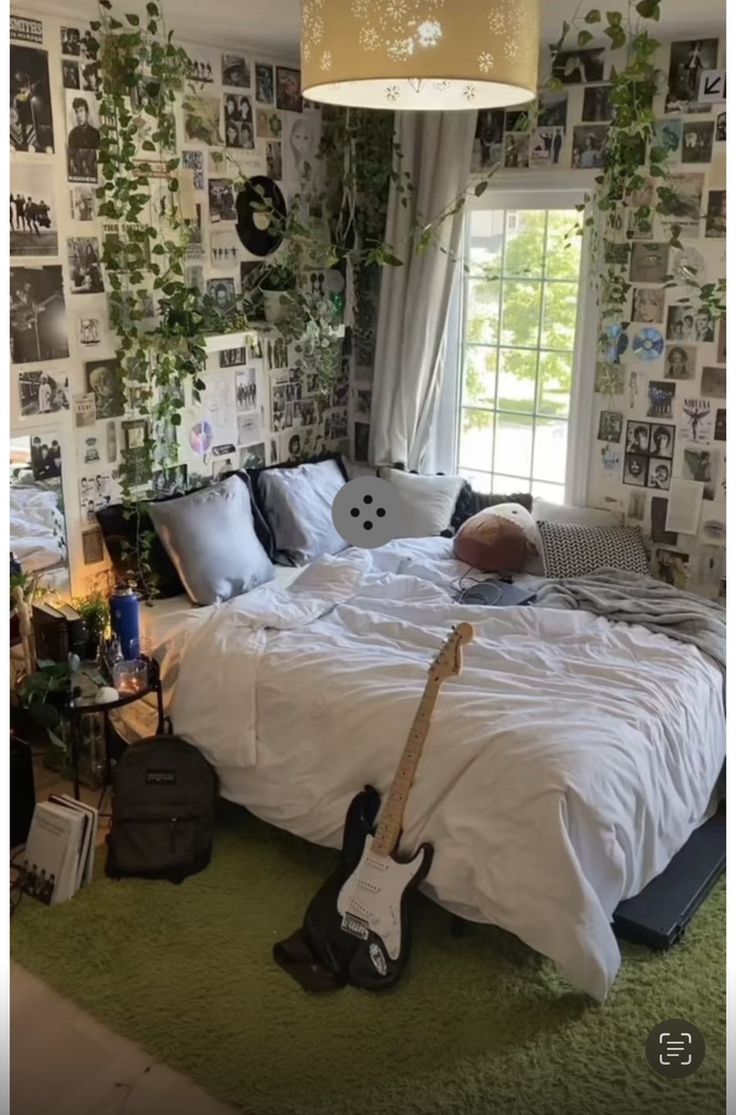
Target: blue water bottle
(125,621)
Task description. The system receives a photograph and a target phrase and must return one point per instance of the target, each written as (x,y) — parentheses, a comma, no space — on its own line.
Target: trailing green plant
(94,609)
(44,693)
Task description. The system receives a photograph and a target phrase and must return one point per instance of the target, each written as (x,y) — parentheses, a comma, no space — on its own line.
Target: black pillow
(121,529)
(260,518)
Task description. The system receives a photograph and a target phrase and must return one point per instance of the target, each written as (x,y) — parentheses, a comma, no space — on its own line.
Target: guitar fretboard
(392,814)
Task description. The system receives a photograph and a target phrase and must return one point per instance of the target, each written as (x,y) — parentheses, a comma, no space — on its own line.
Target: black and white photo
(246,390)
(83,121)
(253,456)
(232,357)
(660,396)
(610,425)
(225,250)
(635,470)
(31,122)
(239,131)
(647,305)
(577,67)
(668,136)
(235,71)
(89,331)
(222,291)
(688,59)
(488,141)
(688,323)
(719,432)
(264,83)
(700,465)
(637,437)
(249,427)
(659,474)
(25,30)
(85,267)
(45,457)
(713,383)
(552,109)
(169,481)
(721,127)
(545,145)
(70,74)
(697,141)
(104,381)
(288,89)
(274,163)
(721,343)
(589,146)
(201,69)
(91,77)
(649,262)
(680,361)
(697,420)
(42,393)
(194,161)
(83,203)
(135,451)
(202,120)
(33,217)
(70,42)
(715,217)
(269,123)
(222,200)
(37,315)
(516,149)
(97,490)
(597,104)
(680,203)
(661,440)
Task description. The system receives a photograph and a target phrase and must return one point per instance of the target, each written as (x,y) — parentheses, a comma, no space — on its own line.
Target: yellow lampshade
(420,54)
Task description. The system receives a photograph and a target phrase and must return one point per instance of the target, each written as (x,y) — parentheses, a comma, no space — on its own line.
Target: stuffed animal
(498,539)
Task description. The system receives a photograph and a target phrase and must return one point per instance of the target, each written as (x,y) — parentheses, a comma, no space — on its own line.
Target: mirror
(37,524)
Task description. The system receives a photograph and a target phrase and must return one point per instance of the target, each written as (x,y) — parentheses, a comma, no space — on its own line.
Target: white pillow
(546,512)
(429,501)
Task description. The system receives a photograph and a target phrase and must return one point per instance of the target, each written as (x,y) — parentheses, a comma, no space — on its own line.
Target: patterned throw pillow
(572,550)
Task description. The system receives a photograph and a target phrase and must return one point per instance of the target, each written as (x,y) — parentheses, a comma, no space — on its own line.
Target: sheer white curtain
(415,298)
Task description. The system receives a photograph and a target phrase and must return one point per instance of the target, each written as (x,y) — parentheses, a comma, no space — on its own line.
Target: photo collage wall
(659,436)
(256,410)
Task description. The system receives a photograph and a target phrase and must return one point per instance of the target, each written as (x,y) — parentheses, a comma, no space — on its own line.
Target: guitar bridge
(356,927)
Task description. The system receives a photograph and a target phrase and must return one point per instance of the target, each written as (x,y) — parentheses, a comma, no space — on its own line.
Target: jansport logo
(161,777)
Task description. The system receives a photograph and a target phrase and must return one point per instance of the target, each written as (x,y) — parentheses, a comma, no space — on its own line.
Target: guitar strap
(295,956)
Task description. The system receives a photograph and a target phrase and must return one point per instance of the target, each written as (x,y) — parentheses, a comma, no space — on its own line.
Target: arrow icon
(711,86)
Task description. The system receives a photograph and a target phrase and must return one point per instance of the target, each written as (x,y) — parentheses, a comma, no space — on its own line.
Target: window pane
(513,444)
(563,253)
(508,485)
(524,255)
(476,440)
(481,325)
(560,315)
(480,481)
(479,381)
(550,450)
(486,241)
(555,493)
(520,313)
(517,375)
(555,383)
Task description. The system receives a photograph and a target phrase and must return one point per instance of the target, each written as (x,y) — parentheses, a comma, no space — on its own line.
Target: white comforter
(36,527)
(563,769)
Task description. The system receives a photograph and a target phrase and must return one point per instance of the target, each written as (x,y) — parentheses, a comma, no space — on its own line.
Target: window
(518,344)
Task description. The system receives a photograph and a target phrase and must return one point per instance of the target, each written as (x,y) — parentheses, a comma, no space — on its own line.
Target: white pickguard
(372,895)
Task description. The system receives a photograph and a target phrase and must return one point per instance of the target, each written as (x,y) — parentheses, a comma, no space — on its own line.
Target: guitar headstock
(449,661)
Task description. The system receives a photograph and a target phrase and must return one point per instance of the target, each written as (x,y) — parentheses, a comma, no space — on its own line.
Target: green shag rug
(480,1025)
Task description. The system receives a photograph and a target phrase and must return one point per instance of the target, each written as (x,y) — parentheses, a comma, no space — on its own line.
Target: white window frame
(505,195)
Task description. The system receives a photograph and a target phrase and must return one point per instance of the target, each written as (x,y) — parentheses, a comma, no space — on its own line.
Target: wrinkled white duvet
(563,769)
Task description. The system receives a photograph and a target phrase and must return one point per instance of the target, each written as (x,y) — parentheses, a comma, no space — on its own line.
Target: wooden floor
(63,1060)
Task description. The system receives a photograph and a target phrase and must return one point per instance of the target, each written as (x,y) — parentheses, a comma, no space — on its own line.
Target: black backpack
(163,811)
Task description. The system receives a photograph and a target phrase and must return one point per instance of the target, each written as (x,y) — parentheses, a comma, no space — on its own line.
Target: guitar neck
(392,814)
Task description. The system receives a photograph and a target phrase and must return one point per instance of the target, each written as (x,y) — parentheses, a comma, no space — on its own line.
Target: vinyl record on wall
(648,344)
(259,229)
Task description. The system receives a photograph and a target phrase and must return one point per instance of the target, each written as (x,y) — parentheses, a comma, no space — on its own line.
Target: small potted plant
(276,284)
(95,613)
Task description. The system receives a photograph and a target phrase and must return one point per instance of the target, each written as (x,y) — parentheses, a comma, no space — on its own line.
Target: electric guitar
(358,922)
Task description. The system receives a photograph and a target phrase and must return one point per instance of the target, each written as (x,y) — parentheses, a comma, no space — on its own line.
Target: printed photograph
(719,433)
(246,391)
(288,89)
(31,122)
(659,474)
(588,146)
(668,135)
(95,492)
(83,203)
(721,127)
(33,218)
(697,421)
(45,457)
(688,59)
(680,361)
(222,291)
(597,104)
(635,470)
(104,381)
(647,305)
(672,567)
(201,70)
(235,71)
(90,332)
(610,425)
(264,83)
(552,109)
(202,120)
(488,141)
(41,393)
(697,141)
(169,481)
(636,506)
(238,121)
(269,124)
(37,315)
(637,437)
(698,465)
(577,67)
(93,550)
(715,217)
(71,42)
(253,456)
(248,427)
(516,149)
(91,77)
(545,145)
(661,440)
(274,164)
(685,323)
(649,262)
(225,248)
(660,397)
(680,199)
(721,345)
(85,267)
(194,161)
(609,378)
(70,74)
(83,121)
(713,383)
(222,200)
(232,357)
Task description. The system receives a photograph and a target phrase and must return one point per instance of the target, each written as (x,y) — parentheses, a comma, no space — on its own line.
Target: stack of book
(58,630)
(59,855)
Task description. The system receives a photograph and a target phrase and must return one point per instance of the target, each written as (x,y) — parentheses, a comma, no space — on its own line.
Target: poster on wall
(103,380)
(26,30)
(45,457)
(288,89)
(85,265)
(697,142)
(238,110)
(686,323)
(235,71)
(222,200)
(202,120)
(42,393)
(680,361)
(31,122)
(33,216)
(83,137)
(82,203)
(715,217)
(680,204)
(697,420)
(37,315)
(588,146)
(264,83)
(688,59)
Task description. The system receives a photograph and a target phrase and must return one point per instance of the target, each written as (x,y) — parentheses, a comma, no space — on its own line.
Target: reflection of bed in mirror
(37,525)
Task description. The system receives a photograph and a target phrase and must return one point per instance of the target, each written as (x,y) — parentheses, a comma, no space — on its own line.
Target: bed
(563,769)
(37,533)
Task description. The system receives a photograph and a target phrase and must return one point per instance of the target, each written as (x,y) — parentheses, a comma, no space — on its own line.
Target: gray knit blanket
(635,598)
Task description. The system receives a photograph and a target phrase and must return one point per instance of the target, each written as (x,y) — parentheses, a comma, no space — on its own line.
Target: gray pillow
(298,505)
(573,550)
(210,538)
